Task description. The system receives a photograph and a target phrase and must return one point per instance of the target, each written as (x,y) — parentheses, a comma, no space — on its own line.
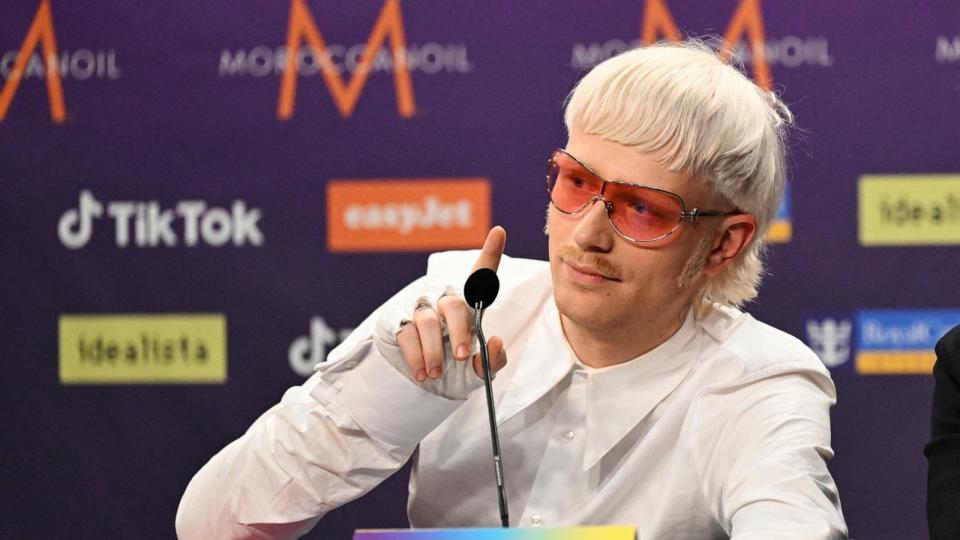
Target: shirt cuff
(389,406)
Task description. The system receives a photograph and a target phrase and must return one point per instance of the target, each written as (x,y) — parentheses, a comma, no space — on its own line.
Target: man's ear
(734,234)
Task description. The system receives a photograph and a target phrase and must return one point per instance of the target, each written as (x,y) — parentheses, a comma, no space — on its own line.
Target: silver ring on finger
(421,305)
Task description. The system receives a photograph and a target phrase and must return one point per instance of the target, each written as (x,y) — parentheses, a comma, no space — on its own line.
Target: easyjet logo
(38,57)
(407,214)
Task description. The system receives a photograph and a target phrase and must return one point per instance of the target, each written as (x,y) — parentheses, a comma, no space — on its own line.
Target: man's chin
(584,308)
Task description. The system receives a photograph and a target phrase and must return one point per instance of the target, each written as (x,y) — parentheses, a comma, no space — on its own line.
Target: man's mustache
(595,262)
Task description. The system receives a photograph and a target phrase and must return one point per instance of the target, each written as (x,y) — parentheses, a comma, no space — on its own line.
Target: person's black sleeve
(943,450)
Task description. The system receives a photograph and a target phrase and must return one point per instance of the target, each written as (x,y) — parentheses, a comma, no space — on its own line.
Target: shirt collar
(533,379)
(618,397)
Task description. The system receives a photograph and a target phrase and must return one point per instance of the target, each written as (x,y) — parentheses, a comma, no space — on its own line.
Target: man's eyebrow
(585,165)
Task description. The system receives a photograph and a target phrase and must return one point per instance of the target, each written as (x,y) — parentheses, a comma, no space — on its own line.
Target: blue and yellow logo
(781,230)
(900,342)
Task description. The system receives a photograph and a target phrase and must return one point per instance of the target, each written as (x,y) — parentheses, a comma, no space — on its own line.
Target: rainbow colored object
(569,533)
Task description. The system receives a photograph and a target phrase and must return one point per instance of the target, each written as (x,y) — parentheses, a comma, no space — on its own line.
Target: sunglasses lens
(638,212)
(643,213)
(571,186)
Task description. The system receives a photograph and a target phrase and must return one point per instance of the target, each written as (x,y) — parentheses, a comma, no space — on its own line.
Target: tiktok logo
(76,225)
(307,352)
(153,226)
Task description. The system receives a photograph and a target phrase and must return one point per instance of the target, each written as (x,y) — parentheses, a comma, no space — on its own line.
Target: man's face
(604,282)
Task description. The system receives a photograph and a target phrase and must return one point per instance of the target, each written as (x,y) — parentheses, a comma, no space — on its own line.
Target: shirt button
(536,520)
(567,435)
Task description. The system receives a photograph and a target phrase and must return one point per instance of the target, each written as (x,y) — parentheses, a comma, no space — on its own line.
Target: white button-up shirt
(721,431)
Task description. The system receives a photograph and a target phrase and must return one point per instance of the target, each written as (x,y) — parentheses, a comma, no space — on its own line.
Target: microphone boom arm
(491,413)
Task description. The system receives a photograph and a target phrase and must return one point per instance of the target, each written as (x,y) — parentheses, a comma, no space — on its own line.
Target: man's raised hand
(422,343)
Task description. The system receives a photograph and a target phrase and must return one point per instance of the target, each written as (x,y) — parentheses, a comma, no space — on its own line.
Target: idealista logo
(307,54)
(909,210)
(181,348)
(407,215)
(27,62)
(881,342)
(306,352)
(148,224)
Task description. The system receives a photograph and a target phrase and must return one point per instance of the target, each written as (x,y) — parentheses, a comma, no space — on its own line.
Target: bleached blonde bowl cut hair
(699,115)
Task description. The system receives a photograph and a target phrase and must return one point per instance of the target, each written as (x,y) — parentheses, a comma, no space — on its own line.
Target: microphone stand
(494,436)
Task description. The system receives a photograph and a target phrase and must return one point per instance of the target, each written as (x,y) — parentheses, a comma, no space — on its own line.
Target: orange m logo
(302,27)
(747,19)
(40,28)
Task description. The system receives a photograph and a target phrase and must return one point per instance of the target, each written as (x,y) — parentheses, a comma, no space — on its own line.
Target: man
(943,450)
(636,392)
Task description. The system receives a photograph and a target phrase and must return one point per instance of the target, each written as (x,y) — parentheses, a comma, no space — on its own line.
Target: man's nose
(593,231)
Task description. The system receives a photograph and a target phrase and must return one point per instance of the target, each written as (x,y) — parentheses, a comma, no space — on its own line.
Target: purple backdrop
(172,103)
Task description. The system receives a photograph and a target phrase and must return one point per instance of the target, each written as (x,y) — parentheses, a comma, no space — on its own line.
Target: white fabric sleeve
(346,429)
(459,379)
(761,447)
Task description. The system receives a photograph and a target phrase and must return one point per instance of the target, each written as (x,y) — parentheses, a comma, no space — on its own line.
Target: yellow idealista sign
(909,210)
(175,348)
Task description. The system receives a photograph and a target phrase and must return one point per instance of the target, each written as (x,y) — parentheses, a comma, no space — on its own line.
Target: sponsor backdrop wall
(195,212)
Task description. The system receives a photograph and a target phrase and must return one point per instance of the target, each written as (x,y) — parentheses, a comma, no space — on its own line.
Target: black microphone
(481,288)
(480,291)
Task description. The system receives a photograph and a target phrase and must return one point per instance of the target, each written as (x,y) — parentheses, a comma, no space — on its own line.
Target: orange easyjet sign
(407,214)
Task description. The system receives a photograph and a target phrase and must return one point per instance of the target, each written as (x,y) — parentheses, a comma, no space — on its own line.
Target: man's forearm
(326,443)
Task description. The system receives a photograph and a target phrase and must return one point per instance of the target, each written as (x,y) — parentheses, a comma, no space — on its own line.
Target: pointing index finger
(492,249)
